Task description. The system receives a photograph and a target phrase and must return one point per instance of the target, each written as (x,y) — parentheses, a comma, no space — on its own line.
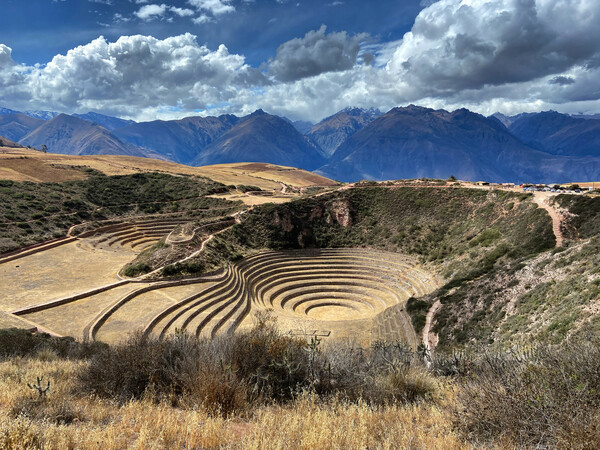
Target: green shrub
(417,309)
(135,270)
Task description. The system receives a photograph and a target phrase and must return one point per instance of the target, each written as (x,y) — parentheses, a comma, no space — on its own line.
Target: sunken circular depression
(334,284)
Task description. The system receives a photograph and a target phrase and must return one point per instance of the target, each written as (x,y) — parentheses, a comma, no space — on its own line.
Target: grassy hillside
(583,215)
(34,212)
(460,231)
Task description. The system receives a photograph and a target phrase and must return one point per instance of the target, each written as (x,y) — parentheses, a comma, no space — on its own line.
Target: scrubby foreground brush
(263,389)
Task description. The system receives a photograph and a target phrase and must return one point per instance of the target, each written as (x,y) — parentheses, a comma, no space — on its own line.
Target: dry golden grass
(305,424)
(30,165)
(254,200)
(14,167)
(98,424)
(311,425)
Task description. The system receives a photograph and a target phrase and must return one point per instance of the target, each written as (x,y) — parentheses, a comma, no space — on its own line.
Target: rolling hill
(22,164)
(8,143)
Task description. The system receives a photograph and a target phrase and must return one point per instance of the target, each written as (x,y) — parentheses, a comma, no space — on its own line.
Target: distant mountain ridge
(415,142)
(332,131)
(178,140)
(353,144)
(43,115)
(558,134)
(69,135)
(262,137)
(108,122)
(15,126)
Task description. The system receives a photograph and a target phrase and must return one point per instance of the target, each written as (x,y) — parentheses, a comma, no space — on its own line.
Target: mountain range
(353,144)
(74,136)
(263,137)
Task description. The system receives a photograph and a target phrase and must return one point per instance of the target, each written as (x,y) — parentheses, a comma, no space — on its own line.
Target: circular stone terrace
(349,294)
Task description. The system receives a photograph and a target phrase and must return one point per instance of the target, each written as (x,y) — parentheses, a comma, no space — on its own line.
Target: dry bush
(230,374)
(276,366)
(59,411)
(407,385)
(176,369)
(219,392)
(19,434)
(221,375)
(383,374)
(17,342)
(547,397)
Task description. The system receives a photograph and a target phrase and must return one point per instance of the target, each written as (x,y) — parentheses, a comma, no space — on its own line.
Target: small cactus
(39,387)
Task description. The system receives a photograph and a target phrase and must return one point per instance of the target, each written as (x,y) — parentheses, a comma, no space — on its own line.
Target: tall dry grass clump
(28,422)
(548,397)
(310,423)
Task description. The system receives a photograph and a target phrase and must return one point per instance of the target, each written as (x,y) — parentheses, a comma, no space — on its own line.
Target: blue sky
(39,29)
(305,59)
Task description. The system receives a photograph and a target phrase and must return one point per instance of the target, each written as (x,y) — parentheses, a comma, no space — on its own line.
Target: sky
(303,59)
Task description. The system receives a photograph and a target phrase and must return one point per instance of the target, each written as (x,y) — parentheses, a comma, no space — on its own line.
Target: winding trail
(428,321)
(542,201)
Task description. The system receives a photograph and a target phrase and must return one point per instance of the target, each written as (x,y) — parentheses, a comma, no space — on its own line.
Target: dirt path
(428,321)
(192,255)
(541,200)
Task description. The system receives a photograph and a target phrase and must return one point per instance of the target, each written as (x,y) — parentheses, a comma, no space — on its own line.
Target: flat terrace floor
(59,272)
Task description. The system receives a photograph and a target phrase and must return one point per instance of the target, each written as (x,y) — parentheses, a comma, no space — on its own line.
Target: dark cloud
(562,80)
(368,58)
(314,54)
(458,45)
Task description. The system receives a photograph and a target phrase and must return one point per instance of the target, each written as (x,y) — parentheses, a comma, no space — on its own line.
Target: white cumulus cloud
(138,72)
(148,12)
(486,55)
(181,12)
(215,7)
